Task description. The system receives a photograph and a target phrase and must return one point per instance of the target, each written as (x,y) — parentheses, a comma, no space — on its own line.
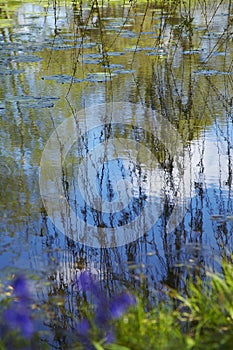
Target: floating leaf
(192,52)
(159,52)
(91,61)
(123,71)
(92,55)
(128,34)
(218,53)
(33,101)
(62,78)
(99,77)
(147,33)
(210,72)
(63,47)
(112,66)
(27,59)
(133,49)
(10,71)
(116,53)
(212,35)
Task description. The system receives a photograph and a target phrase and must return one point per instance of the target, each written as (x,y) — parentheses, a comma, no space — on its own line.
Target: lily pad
(87,45)
(63,47)
(158,52)
(133,49)
(99,77)
(91,61)
(11,47)
(212,35)
(112,29)
(113,66)
(62,78)
(33,101)
(116,53)
(92,55)
(6,71)
(148,33)
(218,53)
(123,71)
(192,52)
(27,58)
(207,73)
(128,34)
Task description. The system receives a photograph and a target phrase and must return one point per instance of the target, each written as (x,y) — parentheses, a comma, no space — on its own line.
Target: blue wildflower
(110,336)
(21,288)
(87,283)
(106,309)
(17,315)
(119,305)
(84,326)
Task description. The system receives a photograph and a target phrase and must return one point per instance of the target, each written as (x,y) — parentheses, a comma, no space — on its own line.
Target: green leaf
(98,346)
(117,347)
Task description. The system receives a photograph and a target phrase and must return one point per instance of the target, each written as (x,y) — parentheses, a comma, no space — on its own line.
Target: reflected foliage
(55,59)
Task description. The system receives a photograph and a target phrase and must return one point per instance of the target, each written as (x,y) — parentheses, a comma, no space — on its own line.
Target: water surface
(57,65)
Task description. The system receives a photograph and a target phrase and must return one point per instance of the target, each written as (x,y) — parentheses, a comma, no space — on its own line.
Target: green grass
(201,319)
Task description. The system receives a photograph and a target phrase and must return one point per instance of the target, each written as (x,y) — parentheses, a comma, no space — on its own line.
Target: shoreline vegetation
(199,318)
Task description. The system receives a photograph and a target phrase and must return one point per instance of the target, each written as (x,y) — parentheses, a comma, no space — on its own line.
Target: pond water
(116,142)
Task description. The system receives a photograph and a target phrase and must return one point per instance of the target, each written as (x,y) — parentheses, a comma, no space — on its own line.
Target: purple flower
(120,304)
(20,287)
(17,317)
(88,284)
(102,314)
(84,327)
(110,337)
(105,309)
(83,330)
